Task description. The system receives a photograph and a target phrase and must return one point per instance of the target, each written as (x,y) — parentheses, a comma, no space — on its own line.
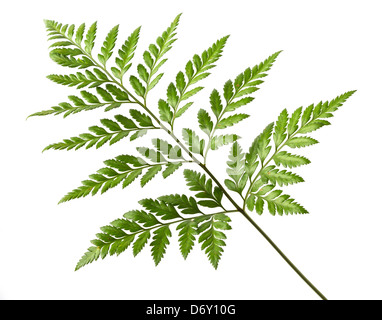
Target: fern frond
(280,134)
(126,54)
(108,45)
(301,142)
(188,205)
(289,160)
(113,98)
(80,80)
(162,209)
(195,71)
(122,169)
(236,169)
(281,177)
(187,236)
(68,59)
(153,59)
(231,120)
(136,227)
(90,38)
(199,182)
(260,148)
(254,175)
(287,132)
(99,136)
(244,84)
(278,202)
(205,122)
(212,239)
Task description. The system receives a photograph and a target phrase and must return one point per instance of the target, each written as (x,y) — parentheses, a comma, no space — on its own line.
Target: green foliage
(212,196)
(202,218)
(195,71)
(290,132)
(126,54)
(122,169)
(236,169)
(108,45)
(276,201)
(112,132)
(212,238)
(81,80)
(236,94)
(153,59)
(137,227)
(111,98)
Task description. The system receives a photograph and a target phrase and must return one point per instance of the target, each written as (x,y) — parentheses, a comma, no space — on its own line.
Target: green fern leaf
(212,239)
(143,119)
(91,255)
(107,178)
(254,171)
(231,120)
(159,243)
(99,136)
(198,182)
(283,204)
(246,83)
(236,162)
(171,168)
(79,80)
(126,54)
(150,174)
(281,177)
(208,58)
(187,232)
(313,125)
(216,104)
(165,112)
(300,142)
(137,86)
(143,73)
(90,38)
(251,157)
(80,34)
(239,103)
(188,205)
(263,147)
(108,45)
(289,160)
(293,121)
(279,134)
(195,71)
(147,220)
(205,122)
(70,61)
(140,242)
(153,57)
(164,210)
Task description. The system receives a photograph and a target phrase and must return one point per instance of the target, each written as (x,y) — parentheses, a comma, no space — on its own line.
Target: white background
(329,47)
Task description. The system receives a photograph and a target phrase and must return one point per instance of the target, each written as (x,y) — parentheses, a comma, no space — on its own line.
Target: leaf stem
(283,255)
